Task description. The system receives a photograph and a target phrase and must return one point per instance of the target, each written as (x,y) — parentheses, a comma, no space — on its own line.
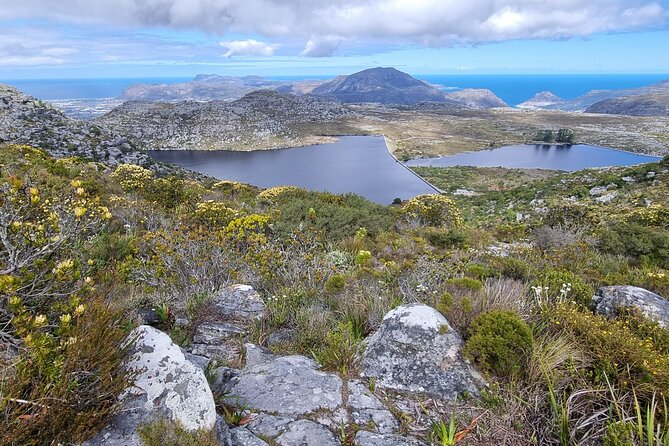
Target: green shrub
(512,268)
(335,283)
(446,238)
(466,283)
(335,216)
(499,342)
(161,432)
(648,245)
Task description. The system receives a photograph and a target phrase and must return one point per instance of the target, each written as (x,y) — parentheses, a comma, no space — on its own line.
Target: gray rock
(652,305)
(269,425)
(607,198)
(598,190)
(416,350)
(221,378)
(239,302)
(307,433)
(284,385)
(215,333)
(166,385)
(281,336)
(243,437)
(364,438)
(201,362)
(149,316)
(366,408)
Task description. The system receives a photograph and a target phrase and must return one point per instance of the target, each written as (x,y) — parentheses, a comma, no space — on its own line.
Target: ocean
(512,88)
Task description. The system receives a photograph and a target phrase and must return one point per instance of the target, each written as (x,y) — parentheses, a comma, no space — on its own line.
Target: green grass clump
(168,433)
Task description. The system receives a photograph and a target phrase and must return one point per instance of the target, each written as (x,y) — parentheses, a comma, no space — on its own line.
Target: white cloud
(248,47)
(322,26)
(321,46)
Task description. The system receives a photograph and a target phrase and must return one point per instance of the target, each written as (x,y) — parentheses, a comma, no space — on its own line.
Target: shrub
(335,283)
(649,245)
(467,283)
(161,432)
(336,217)
(433,210)
(564,285)
(499,342)
(279,193)
(214,214)
(621,350)
(65,386)
(132,177)
(446,238)
(512,268)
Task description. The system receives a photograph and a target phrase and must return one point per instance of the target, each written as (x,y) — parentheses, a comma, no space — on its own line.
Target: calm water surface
(358,164)
(540,156)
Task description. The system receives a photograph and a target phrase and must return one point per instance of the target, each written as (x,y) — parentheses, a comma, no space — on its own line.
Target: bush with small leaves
(214,214)
(433,210)
(499,342)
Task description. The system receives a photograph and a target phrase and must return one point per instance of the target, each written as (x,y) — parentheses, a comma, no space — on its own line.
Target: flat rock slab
(241,436)
(307,433)
(284,385)
(416,350)
(364,438)
(366,408)
(651,305)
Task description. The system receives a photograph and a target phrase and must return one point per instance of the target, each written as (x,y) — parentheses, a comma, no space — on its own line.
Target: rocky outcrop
(364,438)
(261,119)
(476,98)
(166,385)
(416,350)
(26,120)
(548,101)
(609,298)
(656,104)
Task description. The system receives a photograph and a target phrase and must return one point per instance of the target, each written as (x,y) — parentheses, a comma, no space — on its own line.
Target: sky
(42,39)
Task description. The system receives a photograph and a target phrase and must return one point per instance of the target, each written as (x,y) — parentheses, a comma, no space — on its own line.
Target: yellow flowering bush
(655,215)
(251,229)
(214,214)
(433,210)
(132,177)
(277,193)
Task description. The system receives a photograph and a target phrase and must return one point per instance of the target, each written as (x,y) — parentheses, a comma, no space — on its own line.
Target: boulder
(416,350)
(240,303)
(652,305)
(166,385)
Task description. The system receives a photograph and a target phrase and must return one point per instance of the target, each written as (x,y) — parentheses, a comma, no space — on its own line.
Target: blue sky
(175,38)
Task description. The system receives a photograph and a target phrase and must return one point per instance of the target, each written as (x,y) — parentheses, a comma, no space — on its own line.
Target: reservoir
(358,164)
(540,156)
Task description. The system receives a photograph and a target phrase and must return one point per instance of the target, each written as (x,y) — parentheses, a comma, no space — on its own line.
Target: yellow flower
(66,318)
(90,261)
(79,310)
(14,300)
(79,212)
(80,191)
(33,191)
(75,183)
(88,280)
(40,320)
